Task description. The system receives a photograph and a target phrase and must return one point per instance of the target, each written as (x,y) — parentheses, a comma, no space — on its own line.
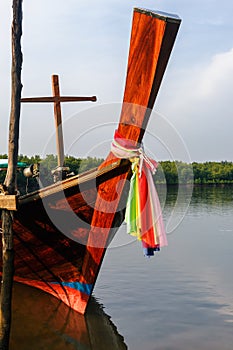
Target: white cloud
(217,78)
(201,105)
(86,43)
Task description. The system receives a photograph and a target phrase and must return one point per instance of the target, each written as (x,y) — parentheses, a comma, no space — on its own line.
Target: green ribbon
(132,214)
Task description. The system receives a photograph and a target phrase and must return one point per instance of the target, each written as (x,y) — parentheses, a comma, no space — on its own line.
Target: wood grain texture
(58,121)
(144,75)
(58,99)
(51,230)
(10,179)
(8,202)
(146,40)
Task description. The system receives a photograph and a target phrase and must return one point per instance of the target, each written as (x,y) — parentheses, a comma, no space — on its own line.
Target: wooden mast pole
(58,121)
(10,180)
(60,171)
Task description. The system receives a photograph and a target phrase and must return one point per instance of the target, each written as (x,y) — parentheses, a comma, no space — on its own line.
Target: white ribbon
(122,152)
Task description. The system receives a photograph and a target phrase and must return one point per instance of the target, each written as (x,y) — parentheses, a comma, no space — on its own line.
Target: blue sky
(86,43)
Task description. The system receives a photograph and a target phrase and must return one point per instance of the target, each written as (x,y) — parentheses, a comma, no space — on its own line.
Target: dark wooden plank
(57,99)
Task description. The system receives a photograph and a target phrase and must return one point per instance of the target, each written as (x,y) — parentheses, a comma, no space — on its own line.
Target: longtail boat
(62,230)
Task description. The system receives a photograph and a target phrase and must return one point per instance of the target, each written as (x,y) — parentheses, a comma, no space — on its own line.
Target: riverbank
(168,172)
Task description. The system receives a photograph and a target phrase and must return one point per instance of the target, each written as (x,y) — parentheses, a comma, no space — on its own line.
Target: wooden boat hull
(51,231)
(62,231)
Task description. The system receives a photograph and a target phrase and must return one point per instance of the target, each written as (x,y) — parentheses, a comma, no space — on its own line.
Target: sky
(86,42)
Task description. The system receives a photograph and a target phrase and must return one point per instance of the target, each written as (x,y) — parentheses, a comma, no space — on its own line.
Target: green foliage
(26,159)
(46,165)
(168,172)
(3,156)
(213,172)
(76,166)
(2,176)
(198,173)
(89,163)
(174,172)
(73,163)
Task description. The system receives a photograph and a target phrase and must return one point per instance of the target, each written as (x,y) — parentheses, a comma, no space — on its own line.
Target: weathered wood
(58,121)
(8,202)
(58,99)
(10,180)
(7,278)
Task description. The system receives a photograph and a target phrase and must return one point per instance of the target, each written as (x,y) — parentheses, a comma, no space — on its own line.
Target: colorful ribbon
(143,211)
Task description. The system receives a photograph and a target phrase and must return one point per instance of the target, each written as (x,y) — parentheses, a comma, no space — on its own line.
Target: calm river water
(180,299)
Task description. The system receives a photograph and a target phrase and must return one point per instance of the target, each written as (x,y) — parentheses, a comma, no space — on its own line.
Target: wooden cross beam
(57,99)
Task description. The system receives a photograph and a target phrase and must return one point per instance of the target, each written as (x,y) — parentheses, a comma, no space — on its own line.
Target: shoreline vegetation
(168,172)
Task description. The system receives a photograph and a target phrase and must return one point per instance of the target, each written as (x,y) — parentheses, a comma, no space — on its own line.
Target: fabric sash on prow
(152,38)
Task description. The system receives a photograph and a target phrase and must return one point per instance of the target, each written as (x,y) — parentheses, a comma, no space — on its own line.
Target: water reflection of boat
(41,321)
(62,231)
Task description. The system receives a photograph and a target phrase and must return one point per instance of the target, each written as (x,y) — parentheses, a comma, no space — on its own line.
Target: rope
(131,153)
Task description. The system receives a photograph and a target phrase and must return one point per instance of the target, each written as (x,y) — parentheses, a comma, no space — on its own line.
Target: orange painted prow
(152,39)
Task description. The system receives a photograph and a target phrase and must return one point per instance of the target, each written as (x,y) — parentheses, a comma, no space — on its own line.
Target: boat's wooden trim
(69,183)
(165,16)
(74,298)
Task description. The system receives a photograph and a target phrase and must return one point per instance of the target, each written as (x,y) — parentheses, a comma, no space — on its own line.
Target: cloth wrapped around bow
(143,211)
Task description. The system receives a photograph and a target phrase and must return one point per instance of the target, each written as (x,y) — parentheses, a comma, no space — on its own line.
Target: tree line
(177,172)
(168,172)
(46,165)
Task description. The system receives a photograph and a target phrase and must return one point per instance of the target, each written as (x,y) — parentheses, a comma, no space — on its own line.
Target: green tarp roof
(4,164)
